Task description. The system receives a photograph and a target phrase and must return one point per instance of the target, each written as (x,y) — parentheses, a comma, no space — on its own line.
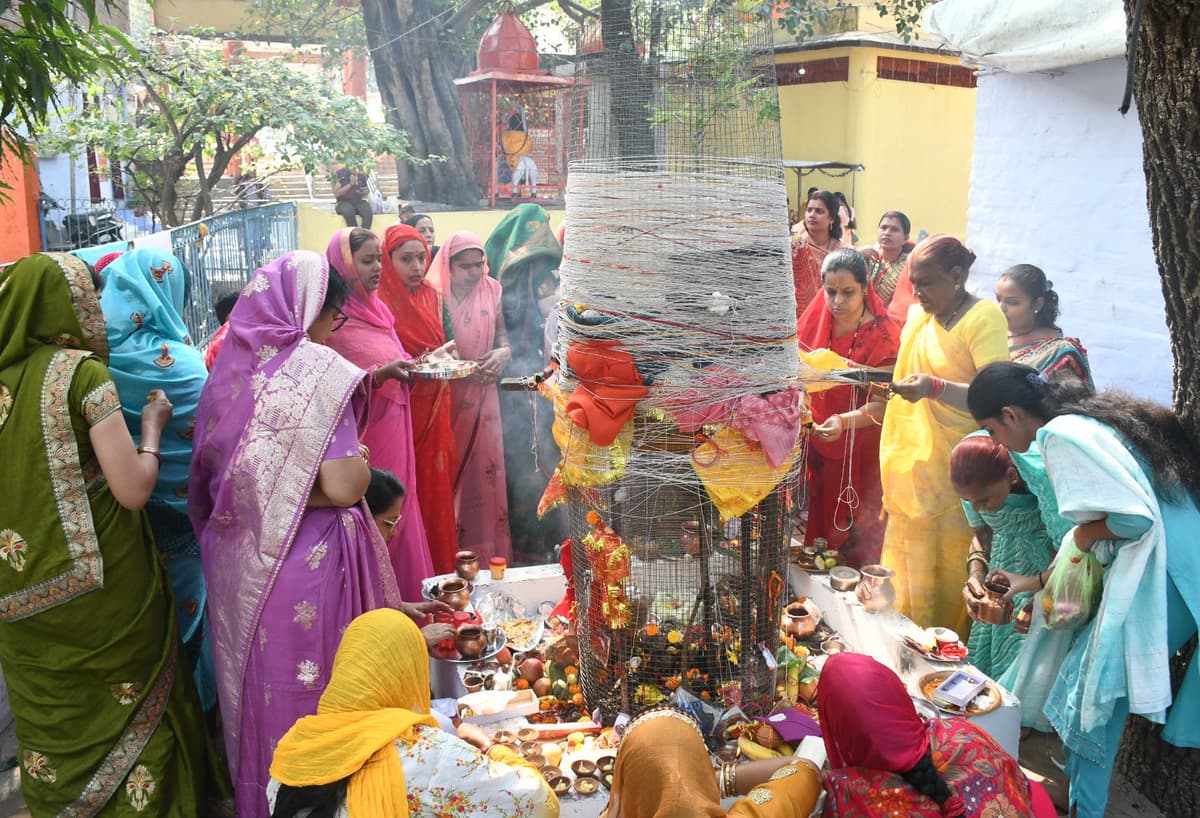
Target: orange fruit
(521,684)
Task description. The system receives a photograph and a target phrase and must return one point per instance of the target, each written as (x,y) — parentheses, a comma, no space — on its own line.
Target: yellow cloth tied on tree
(823,360)
(378,692)
(735,471)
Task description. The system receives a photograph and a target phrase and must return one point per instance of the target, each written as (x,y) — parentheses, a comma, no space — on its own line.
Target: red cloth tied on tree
(608,392)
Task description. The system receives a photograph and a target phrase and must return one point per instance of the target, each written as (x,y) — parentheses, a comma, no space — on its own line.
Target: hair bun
(1049,285)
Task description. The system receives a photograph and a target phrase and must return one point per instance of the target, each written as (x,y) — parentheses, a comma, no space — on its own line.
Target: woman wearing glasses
(290,553)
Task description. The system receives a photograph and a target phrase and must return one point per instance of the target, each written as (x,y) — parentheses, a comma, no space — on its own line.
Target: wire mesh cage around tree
(703,598)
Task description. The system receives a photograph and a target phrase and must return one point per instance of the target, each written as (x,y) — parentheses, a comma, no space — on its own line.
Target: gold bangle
(150,450)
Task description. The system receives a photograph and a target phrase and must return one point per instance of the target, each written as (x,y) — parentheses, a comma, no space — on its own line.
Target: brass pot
(471,642)
(875,590)
(800,621)
(455,593)
(466,565)
(994,609)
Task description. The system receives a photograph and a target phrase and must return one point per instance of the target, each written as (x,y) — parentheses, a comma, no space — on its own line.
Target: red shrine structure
(517,117)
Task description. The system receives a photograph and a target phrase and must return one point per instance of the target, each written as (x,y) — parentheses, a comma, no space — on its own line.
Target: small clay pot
(550,772)
(560,785)
(537,759)
(471,643)
(800,621)
(466,565)
(528,734)
(606,764)
(455,593)
(504,737)
(473,682)
(583,767)
(586,785)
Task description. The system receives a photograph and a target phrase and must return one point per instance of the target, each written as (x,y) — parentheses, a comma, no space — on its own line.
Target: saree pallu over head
(150,348)
(368,339)
(917,438)
(873,735)
(523,255)
(89,642)
(50,324)
(263,426)
(664,771)
(420,328)
(378,693)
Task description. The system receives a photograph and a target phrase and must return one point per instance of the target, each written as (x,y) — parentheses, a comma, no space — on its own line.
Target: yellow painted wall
(914,139)
(316,226)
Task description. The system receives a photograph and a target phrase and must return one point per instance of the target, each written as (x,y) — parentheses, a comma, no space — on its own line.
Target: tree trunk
(630,84)
(1167,91)
(417,86)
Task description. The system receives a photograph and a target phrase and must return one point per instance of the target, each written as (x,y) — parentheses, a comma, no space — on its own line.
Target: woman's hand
(416,610)
(398,370)
(437,632)
(492,364)
(830,430)
(1017,583)
(156,413)
(474,734)
(973,595)
(446,352)
(914,387)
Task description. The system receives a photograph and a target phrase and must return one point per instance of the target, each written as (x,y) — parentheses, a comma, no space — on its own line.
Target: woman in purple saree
(290,554)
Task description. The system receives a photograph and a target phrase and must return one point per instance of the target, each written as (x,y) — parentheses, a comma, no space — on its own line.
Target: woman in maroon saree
(845,495)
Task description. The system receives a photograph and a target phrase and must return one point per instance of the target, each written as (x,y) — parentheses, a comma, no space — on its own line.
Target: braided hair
(319,801)
(925,779)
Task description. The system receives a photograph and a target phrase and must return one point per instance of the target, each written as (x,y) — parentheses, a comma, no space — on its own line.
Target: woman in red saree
(822,234)
(845,494)
(423,327)
(460,273)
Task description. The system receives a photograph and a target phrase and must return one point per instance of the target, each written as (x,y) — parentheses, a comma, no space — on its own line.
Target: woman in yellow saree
(949,336)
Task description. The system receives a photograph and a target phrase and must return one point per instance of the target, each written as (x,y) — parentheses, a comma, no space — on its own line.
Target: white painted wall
(1057,181)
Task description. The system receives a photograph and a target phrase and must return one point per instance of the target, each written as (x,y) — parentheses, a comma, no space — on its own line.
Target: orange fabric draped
(420,329)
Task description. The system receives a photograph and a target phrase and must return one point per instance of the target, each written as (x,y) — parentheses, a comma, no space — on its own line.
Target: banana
(755,751)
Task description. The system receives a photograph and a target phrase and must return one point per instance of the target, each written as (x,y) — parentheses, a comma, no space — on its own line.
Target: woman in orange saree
(423,327)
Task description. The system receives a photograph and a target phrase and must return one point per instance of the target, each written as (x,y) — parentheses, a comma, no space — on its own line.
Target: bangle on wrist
(1041,581)
(939,386)
(150,450)
(976,558)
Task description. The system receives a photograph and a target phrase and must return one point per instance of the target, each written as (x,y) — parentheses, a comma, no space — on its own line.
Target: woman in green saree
(107,718)
(524,255)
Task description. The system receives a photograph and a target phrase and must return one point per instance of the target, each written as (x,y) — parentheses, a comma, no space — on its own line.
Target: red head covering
(815,327)
(418,314)
(867,718)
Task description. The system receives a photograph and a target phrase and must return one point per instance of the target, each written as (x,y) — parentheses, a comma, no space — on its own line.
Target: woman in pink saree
(460,274)
(290,553)
(368,339)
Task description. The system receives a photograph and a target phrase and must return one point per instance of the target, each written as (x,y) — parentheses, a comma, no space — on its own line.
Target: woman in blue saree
(151,348)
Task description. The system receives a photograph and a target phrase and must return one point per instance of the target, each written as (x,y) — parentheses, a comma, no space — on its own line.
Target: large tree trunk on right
(417,85)
(1167,91)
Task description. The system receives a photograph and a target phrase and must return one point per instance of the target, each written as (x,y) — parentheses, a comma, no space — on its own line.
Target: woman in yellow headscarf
(949,335)
(664,771)
(374,751)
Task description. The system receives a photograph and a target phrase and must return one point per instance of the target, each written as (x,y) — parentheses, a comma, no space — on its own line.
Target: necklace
(962,299)
(853,338)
